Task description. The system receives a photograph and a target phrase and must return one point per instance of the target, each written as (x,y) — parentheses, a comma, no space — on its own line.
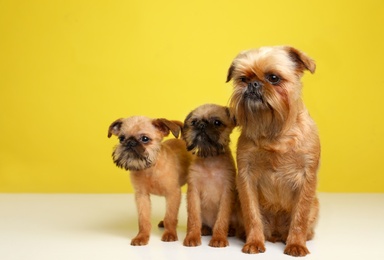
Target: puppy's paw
(192,240)
(140,240)
(161,224)
(218,242)
(169,237)
(254,248)
(296,250)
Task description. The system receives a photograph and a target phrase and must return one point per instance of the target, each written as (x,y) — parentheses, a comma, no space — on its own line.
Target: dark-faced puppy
(278,150)
(211,178)
(155,167)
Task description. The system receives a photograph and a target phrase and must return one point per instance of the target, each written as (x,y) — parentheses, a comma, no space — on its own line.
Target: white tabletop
(89,226)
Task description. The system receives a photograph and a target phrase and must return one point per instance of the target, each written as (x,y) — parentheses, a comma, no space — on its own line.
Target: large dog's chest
(280,176)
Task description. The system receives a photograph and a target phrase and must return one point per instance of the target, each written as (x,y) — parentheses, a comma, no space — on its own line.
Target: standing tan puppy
(155,167)
(278,150)
(211,178)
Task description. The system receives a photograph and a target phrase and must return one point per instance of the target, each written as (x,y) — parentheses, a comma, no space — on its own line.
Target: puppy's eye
(193,122)
(144,139)
(121,138)
(273,79)
(217,123)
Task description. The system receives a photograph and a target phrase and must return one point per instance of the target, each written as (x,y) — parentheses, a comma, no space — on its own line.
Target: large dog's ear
(233,66)
(165,125)
(114,128)
(303,61)
(230,72)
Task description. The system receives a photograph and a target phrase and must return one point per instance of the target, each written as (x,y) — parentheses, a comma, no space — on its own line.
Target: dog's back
(178,147)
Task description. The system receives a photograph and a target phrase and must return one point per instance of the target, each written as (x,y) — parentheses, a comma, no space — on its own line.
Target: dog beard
(204,146)
(258,113)
(130,159)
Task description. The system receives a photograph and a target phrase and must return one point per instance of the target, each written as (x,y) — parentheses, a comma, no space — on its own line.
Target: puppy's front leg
(220,229)
(193,237)
(173,201)
(298,231)
(143,204)
(251,212)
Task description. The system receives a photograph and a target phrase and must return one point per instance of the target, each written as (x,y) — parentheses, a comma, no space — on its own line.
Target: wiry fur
(133,159)
(155,167)
(211,179)
(278,150)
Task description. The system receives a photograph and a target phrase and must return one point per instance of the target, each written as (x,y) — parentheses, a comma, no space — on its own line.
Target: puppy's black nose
(131,143)
(254,85)
(202,125)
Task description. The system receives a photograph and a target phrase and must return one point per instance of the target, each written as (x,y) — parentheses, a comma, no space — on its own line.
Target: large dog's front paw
(217,241)
(254,248)
(296,250)
(192,240)
(140,240)
(169,236)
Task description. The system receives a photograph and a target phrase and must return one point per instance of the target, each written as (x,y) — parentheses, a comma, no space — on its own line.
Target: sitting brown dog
(278,151)
(212,174)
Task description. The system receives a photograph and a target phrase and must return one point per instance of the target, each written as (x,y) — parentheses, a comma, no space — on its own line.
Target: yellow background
(70,68)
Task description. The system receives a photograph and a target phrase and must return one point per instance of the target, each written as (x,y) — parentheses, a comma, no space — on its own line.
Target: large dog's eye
(121,138)
(217,123)
(144,139)
(243,79)
(273,79)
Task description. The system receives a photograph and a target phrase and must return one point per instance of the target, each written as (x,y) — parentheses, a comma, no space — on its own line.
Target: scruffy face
(207,130)
(267,85)
(140,140)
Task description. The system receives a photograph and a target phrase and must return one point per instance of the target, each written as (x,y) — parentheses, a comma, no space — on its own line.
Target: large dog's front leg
(303,217)
(248,195)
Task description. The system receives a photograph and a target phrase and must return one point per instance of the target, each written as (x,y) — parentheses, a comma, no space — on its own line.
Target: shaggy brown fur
(278,150)
(211,178)
(155,167)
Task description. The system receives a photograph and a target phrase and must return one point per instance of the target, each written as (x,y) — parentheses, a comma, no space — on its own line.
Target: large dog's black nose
(254,85)
(254,90)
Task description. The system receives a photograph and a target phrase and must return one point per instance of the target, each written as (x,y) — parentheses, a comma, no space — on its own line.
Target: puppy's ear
(114,128)
(164,126)
(185,127)
(230,72)
(187,118)
(301,59)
